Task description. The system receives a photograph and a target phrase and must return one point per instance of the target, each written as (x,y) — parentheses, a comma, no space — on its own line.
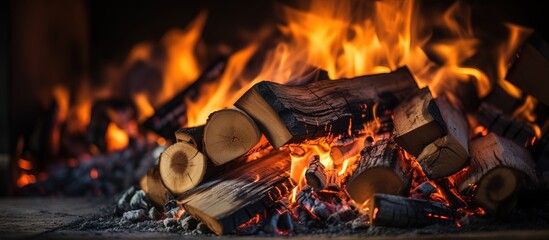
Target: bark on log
(227,201)
(494,120)
(496,169)
(293,114)
(381,169)
(433,131)
(229,134)
(152,185)
(173,114)
(396,211)
(192,135)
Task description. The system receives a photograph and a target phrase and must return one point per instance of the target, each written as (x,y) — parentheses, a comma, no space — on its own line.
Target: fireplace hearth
(282,118)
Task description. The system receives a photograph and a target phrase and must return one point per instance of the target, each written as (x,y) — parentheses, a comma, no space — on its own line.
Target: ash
(132,211)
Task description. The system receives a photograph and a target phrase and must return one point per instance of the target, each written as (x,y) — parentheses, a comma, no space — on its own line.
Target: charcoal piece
(170,222)
(202,228)
(139,201)
(134,216)
(189,223)
(124,200)
(154,214)
(286,222)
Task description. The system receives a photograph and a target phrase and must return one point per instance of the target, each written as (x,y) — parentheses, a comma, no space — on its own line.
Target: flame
(182,64)
(526,114)
(24,164)
(25,179)
(116,138)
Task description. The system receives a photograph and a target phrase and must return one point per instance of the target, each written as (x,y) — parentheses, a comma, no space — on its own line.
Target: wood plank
(227,201)
(293,114)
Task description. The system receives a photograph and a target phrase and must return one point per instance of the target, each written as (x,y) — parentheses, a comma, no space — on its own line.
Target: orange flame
(116,138)
(24,164)
(25,179)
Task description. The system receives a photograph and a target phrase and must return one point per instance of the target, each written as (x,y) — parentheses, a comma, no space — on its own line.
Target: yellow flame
(116,138)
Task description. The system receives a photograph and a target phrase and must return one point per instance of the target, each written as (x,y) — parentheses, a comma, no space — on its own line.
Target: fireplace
(281,118)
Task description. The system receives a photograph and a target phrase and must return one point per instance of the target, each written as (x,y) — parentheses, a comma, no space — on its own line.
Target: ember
(349,115)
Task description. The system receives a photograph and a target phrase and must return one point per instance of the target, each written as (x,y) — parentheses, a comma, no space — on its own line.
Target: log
(182,167)
(173,114)
(152,185)
(529,69)
(496,169)
(396,211)
(191,135)
(339,153)
(229,134)
(381,169)
(433,131)
(494,120)
(227,201)
(315,175)
(293,114)
(332,181)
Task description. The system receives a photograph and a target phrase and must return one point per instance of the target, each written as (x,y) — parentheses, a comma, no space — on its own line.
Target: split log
(192,135)
(433,131)
(341,152)
(227,201)
(173,114)
(152,185)
(315,176)
(494,120)
(293,114)
(182,167)
(229,134)
(530,68)
(396,211)
(496,169)
(381,169)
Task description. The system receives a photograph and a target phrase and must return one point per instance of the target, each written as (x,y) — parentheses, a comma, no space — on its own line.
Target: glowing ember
(94,174)
(25,179)
(24,164)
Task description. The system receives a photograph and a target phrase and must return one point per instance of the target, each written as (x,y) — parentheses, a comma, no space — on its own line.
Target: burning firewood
(339,153)
(315,176)
(172,115)
(227,201)
(396,211)
(182,167)
(381,169)
(530,68)
(152,185)
(229,134)
(433,131)
(497,166)
(292,114)
(504,125)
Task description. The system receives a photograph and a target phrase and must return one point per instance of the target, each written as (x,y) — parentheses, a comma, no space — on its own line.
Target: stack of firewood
(237,164)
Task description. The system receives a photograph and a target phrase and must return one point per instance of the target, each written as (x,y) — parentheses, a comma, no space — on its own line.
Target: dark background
(44,43)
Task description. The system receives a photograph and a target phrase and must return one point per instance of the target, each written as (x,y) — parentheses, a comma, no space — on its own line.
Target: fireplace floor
(92,218)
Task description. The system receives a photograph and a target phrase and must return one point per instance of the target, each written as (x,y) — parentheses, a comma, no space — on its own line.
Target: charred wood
(292,114)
